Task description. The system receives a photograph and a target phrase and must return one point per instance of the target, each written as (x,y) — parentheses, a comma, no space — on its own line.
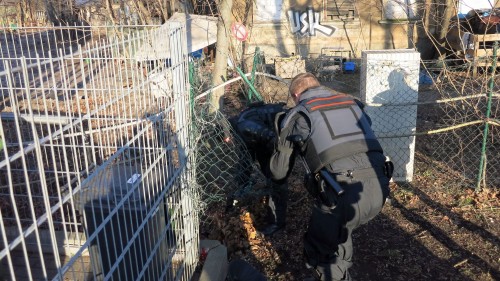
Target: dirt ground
(423,233)
(426,231)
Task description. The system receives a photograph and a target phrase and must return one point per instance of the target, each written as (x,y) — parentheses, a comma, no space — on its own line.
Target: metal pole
(193,81)
(256,61)
(488,114)
(178,51)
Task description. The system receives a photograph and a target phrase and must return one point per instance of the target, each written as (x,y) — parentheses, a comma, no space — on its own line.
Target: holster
(311,185)
(327,195)
(388,168)
(319,190)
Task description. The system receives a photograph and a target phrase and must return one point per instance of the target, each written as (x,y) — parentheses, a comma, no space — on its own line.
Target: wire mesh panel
(227,171)
(93,156)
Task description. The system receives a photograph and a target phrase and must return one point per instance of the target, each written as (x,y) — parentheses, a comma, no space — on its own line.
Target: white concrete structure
(201,31)
(389,87)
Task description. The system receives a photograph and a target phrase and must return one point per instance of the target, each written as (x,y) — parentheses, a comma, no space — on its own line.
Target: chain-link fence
(457,132)
(225,170)
(435,119)
(437,123)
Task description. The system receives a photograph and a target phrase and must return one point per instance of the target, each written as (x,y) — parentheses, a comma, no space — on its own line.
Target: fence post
(256,61)
(193,82)
(250,85)
(180,78)
(482,165)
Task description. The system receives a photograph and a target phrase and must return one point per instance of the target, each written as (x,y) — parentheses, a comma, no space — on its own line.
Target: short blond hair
(303,82)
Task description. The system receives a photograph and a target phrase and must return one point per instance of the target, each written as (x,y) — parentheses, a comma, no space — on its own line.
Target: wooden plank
(480,53)
(484,53)
(486,38)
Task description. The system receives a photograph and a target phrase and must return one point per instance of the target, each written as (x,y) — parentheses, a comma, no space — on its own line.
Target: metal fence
(94,144)
(99,147)
(458,127)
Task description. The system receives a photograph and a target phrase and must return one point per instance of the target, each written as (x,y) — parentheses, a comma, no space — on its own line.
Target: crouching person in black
(256,127)
(337,143)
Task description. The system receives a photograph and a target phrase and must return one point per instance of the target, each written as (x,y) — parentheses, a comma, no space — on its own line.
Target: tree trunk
(247,61)
(52,14)
(445,11)
(222,50)
(162,6)
(145,14)
(31,15)
(449,10)
(122,16)
(22,13)
(426,43)
(109,10)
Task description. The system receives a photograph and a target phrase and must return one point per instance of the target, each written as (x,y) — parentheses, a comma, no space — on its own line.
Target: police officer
(336,138)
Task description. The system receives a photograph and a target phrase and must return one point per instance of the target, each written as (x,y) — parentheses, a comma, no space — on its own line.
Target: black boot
(271,229)
(240,270)
(315,275)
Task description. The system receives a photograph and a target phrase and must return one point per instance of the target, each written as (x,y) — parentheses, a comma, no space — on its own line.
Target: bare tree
(222,49)
(143,12)
(437,16)
(22,11)
(110,11)
(448,10)
(61,12)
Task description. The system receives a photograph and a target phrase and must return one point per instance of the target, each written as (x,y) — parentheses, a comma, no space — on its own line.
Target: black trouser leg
(278,203)
(325,233)
(328,241)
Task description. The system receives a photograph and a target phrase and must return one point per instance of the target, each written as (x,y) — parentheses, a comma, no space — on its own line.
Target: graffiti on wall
(307,22)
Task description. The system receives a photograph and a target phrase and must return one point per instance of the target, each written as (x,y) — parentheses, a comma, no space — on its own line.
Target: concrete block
(215,266)
(389,87)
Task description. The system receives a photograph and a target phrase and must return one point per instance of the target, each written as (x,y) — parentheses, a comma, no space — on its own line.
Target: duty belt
(365,173)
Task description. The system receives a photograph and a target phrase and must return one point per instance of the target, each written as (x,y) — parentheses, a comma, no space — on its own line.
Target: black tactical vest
(339,127)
